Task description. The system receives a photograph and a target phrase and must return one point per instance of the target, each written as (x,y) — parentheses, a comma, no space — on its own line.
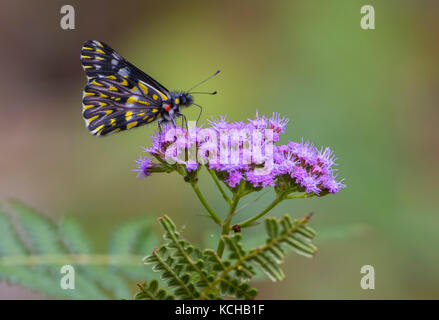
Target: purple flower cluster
(245,152)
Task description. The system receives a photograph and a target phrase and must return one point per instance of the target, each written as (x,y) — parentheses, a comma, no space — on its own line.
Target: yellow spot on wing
(88,106)
(88,94)
(87,48)
(113,121)
(92,119)
(132,124)
(177,101)
(86,57)
(102,104)
(110,77)
(143,87)
(164,97)
(103,95)
(98,129)
(108,112)
(100,51)
(96,83)
(154,110)
(88,67)
(124,83)
(155,97)
(128,115)
(111,88)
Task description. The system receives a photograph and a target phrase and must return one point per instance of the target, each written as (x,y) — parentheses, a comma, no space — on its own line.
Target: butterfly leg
(183,121)
(201,110)
(173,123)
(159,124)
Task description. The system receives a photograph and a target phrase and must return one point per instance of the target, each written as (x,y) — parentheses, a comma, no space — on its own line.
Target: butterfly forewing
(118,96)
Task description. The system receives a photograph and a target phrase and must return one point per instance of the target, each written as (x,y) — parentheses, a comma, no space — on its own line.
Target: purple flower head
(258,123)
(143,164)
(219,124)
(304,152)
(278,123)
(260,177)
(330,184)
(285,164)
(310,183)
(325,159)
(299,173)
(233,179)
(240,150)
(191,166)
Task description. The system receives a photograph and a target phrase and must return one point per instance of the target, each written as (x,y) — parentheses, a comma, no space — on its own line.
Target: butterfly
(119,96)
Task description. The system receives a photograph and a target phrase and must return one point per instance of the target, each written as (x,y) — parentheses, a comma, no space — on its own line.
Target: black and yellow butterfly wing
(118,96)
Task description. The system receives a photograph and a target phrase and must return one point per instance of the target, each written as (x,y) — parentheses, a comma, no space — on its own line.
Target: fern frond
(184,252)
(77,242)
(151,291)
(33,248)
(172,273)
(282,233)
(136,238)
(10,243)
(39,231)
(42,237)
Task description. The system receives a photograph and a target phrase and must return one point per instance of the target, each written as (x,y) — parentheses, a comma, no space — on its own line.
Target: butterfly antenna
(211,93)
(189,91)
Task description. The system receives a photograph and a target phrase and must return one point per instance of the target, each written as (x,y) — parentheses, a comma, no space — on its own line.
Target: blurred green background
(371,95)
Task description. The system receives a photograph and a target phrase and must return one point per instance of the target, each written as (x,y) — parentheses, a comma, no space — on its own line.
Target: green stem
(205,204)
(227,221)
(248,222)
(215,179)
(79,259)
(299,196)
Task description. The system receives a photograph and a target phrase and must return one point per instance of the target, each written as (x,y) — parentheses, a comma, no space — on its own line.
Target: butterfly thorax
(171,108)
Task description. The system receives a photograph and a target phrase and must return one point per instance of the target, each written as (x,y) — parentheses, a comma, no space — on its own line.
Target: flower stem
(215,179)
(249,222)
(298,196)
(203,201)
(227,221)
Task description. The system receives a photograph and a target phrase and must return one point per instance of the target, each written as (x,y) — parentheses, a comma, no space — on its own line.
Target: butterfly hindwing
(118,96)
(114,103)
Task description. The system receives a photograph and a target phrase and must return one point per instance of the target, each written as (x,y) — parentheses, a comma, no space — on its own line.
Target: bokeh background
(370,95)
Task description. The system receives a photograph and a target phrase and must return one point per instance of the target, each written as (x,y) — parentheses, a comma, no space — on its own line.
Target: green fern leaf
(77,242)
(151,291)
(136,238)
(172,273)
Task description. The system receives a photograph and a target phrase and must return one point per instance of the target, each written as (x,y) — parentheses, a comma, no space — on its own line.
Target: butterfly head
(185,99)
